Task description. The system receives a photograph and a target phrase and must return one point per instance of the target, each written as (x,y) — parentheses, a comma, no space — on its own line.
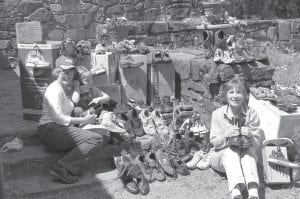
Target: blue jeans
(78,143)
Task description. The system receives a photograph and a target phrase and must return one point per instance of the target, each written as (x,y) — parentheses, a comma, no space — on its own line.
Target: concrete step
(34,160)
(92,186)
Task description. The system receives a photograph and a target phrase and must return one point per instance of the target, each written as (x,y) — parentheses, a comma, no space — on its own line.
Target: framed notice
(29,32)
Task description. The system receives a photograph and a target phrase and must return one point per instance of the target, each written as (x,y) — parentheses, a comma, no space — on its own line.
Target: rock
(295,26)
(74,20)
(284,30)
(72,8)
(41,14)
(89,8)
(76,34)
(139,6)
(4,35)
(159,27)
(56,35)
(151,14)
(178,13)
(116,9)
(141,28)
(148,4)
(61,19)
(5,44)
(56,8)
(260,34)
(179,26)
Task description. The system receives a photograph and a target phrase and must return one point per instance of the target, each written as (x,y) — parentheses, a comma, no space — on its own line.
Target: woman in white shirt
(56,126)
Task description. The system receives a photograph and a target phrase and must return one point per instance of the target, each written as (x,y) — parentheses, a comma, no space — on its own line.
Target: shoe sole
(53,173)
(284,163)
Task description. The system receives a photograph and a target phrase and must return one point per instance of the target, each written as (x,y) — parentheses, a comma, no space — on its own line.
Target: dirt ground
(199,184)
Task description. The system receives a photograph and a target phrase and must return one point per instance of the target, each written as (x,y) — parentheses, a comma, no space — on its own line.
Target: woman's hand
(245,131)
(94,101)
(233,131)
(90,118)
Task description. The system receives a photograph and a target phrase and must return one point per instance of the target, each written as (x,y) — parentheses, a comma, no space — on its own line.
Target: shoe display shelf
(35,75)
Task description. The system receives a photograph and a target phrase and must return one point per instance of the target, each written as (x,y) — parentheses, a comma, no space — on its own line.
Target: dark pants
(79,143)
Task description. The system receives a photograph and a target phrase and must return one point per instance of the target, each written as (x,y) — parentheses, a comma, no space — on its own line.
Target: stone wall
(79,19)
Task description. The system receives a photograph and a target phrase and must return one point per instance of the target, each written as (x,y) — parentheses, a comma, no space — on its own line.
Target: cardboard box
(107,61)
(274,122)
(34,81)
(134,80)
(29,32)
(274,174)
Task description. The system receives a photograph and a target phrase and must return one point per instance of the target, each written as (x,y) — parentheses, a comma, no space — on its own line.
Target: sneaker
(227,57)
(164,161)
(277,157)
(137,125)
(218,55)
(195,160)
(159,123)
(204,163)
(148,123)
(63,174)
(157,171)
(35,59)
(108,121)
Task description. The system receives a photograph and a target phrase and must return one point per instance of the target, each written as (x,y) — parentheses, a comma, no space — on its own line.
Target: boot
(142,183)
(208,43)
(220,41)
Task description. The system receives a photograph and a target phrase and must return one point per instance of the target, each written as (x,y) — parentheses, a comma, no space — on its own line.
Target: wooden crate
(274,174)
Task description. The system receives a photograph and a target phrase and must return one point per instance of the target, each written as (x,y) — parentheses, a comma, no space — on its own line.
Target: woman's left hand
(245,131)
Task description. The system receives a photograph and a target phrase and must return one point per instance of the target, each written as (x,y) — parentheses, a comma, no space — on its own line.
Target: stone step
(34,160)
(92,185)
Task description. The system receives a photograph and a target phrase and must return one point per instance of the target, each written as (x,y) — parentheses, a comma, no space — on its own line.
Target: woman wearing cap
(56,126)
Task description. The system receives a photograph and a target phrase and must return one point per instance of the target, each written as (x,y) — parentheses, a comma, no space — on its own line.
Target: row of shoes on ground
(131,175)
(153,122)
(163,104)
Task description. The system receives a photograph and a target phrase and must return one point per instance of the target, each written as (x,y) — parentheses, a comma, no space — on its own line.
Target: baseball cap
(64,62)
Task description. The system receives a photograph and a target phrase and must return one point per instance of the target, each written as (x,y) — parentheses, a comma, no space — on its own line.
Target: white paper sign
(29,32)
